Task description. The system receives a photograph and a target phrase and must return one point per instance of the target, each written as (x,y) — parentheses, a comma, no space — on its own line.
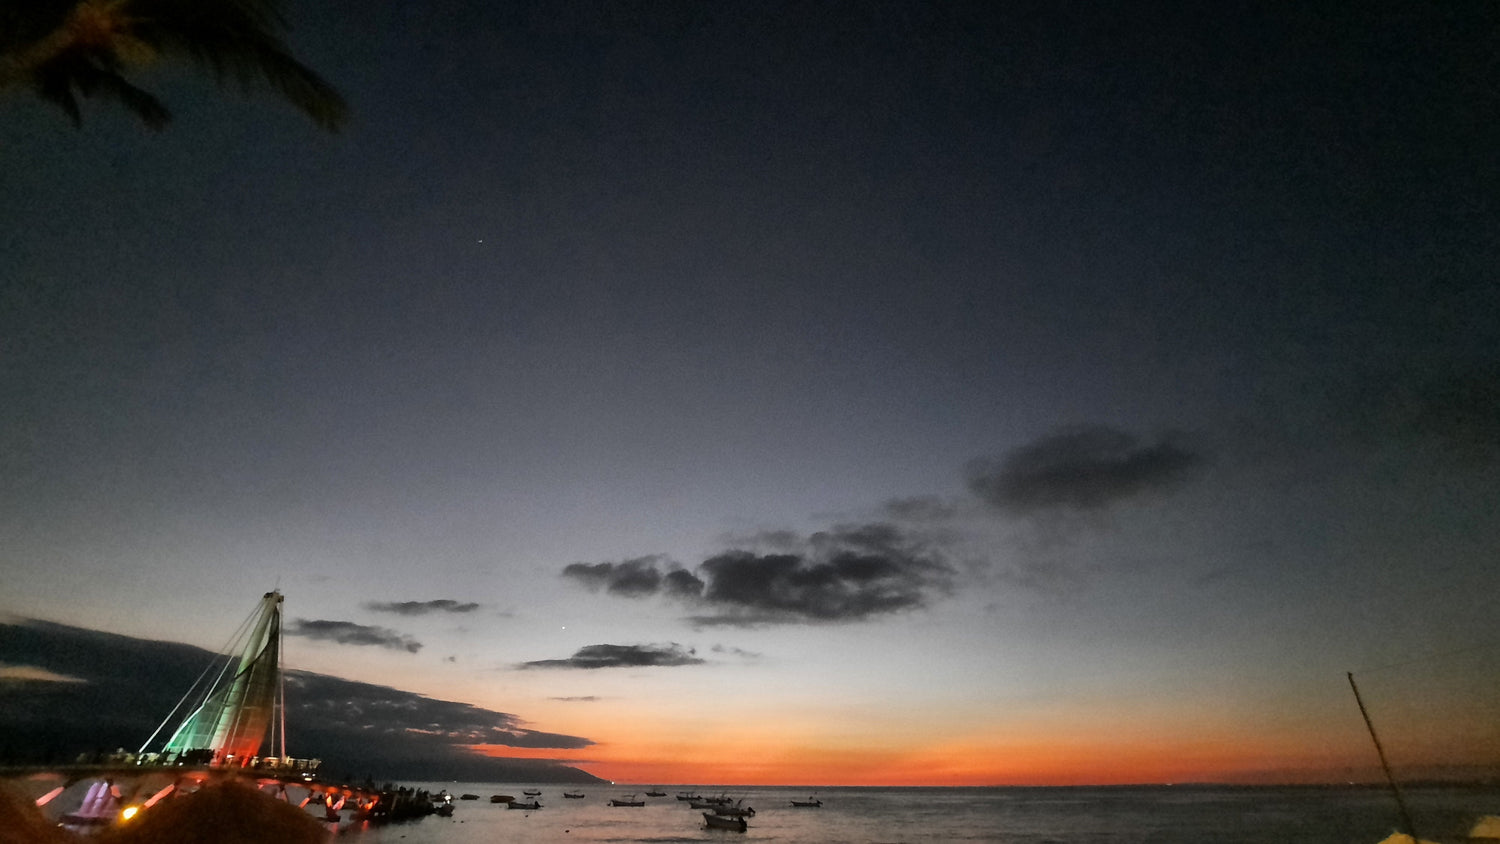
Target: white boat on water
(735,811)
(722,822)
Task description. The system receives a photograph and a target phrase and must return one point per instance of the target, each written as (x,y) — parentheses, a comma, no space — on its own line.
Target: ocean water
(1156,814)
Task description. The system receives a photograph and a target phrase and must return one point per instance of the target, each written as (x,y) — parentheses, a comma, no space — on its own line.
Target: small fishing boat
(735,811)
(516,804)
(688,795)
(573,795)
(501,798)
(656,794)
(721,822)
(468,797)
(628,800)
(809,803)
(532,792)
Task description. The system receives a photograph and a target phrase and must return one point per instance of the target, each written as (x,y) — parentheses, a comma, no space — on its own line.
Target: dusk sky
(845,393)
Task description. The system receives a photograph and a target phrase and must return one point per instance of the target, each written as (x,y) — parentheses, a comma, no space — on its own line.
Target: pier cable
(197,684)
(280,684)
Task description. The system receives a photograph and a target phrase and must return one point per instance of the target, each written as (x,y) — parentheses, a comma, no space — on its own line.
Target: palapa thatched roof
(222,811)
(21,822)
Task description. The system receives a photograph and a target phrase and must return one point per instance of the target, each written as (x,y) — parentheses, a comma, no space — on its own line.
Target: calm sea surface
(1161,815)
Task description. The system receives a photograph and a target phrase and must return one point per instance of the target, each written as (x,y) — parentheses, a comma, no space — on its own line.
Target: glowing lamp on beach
(129,812)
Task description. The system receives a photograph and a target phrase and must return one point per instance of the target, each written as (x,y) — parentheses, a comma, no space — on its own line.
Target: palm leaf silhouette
(66,49)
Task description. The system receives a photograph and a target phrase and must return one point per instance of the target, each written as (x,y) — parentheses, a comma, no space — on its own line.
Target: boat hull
(721,822)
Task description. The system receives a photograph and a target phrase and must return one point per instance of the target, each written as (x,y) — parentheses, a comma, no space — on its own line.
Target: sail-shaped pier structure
(230,723)
(236,705)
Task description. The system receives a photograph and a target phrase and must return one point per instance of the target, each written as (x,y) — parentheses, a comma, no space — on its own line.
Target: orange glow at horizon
(752,760)
(1081,740)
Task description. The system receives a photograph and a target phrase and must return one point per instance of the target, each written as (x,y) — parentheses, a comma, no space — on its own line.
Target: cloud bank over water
(86,691)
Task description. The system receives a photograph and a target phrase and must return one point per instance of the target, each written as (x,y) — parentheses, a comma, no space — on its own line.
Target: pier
(222,726)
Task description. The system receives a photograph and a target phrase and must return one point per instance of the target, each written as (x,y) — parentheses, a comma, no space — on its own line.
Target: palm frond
(79,73)
(55,85)
(239,40)
(139,102)
(70,48)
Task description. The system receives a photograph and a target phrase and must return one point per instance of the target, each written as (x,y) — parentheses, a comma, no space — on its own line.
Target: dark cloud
(739,652)
(681,583)
(622,656)
(847,586)
(422,607)
(349,633)
(577,699)
(630,578)
(319,699)
(637,578)
(1080,469)
(850,573)
(129,685)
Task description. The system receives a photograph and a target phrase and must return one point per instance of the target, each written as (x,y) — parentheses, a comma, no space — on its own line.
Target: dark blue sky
(661,282)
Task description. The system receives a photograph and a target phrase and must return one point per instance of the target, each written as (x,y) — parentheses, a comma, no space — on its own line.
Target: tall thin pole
(280,681)
(1411,828)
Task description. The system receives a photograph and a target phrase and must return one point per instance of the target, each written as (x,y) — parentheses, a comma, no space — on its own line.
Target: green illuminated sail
(238,712)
